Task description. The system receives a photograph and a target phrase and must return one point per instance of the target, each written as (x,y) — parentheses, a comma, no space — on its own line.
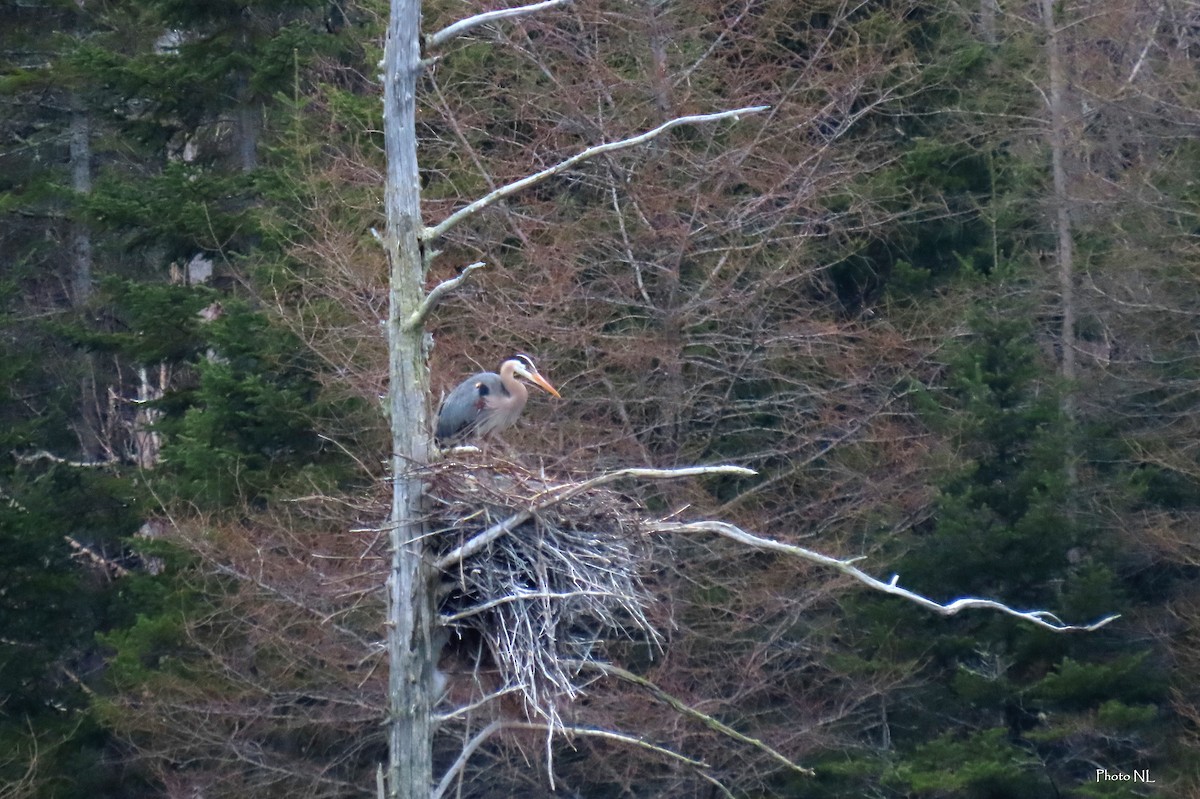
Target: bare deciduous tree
(410,247)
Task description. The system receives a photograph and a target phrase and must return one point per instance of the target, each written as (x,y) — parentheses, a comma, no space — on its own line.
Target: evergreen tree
(161,108)
(1032,713)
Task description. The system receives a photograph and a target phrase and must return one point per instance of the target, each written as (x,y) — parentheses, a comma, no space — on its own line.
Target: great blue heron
(488,402)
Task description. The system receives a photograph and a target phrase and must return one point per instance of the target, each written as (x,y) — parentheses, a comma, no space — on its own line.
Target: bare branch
(464,756)
(43,455)
(284,596)
(494,727)
(716,784)
(1162,7)
(519,597)
(95,557)
(1041,618)
(463,25)
(499,194)
(79,683)
(564,492)
(437,294)
(688,710)
(466,710)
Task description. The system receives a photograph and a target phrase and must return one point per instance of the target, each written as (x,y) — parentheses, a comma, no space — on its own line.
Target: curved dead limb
(466,710)
(470,23)
(528,181)
(688,710)
(1041,618)
(437,294)
(713,781)
(464,756)
(562,493)
(494,727)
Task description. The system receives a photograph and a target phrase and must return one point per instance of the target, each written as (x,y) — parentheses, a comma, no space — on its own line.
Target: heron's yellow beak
(543,383)
(534,377)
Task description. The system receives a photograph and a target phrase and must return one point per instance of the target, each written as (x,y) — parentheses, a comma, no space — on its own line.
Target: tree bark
(410,605)
(90,424)
(1065,251)
(81,183)
(249,125)
(247,119)
(1065,247)
(988,11)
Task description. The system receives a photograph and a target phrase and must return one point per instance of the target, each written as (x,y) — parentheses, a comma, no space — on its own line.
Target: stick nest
(559,574)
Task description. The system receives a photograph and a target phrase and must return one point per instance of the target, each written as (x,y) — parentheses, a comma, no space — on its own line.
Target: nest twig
(563,575)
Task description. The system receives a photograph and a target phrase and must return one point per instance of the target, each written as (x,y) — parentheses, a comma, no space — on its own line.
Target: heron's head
(526,369)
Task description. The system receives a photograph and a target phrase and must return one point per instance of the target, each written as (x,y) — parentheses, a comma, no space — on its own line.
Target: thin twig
(563,493)
(1041,618)
(463,25)
(688,710)
(609,735)
(499,194)
(716,784)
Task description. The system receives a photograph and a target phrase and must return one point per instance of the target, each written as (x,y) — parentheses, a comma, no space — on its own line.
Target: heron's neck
(512,385)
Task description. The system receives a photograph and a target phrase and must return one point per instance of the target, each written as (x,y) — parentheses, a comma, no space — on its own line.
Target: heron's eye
(482,389)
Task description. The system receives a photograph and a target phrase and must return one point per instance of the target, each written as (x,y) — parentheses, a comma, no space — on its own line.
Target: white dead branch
(470,23)
(1042,618)
(493,197)
(437,294)
(545,572)
(554,495)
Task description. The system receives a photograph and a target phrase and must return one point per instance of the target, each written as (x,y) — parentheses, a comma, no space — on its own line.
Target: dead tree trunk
(988,11)
(81,183)
(410,606)
(1065,253)
(1065,248)
(90,424)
